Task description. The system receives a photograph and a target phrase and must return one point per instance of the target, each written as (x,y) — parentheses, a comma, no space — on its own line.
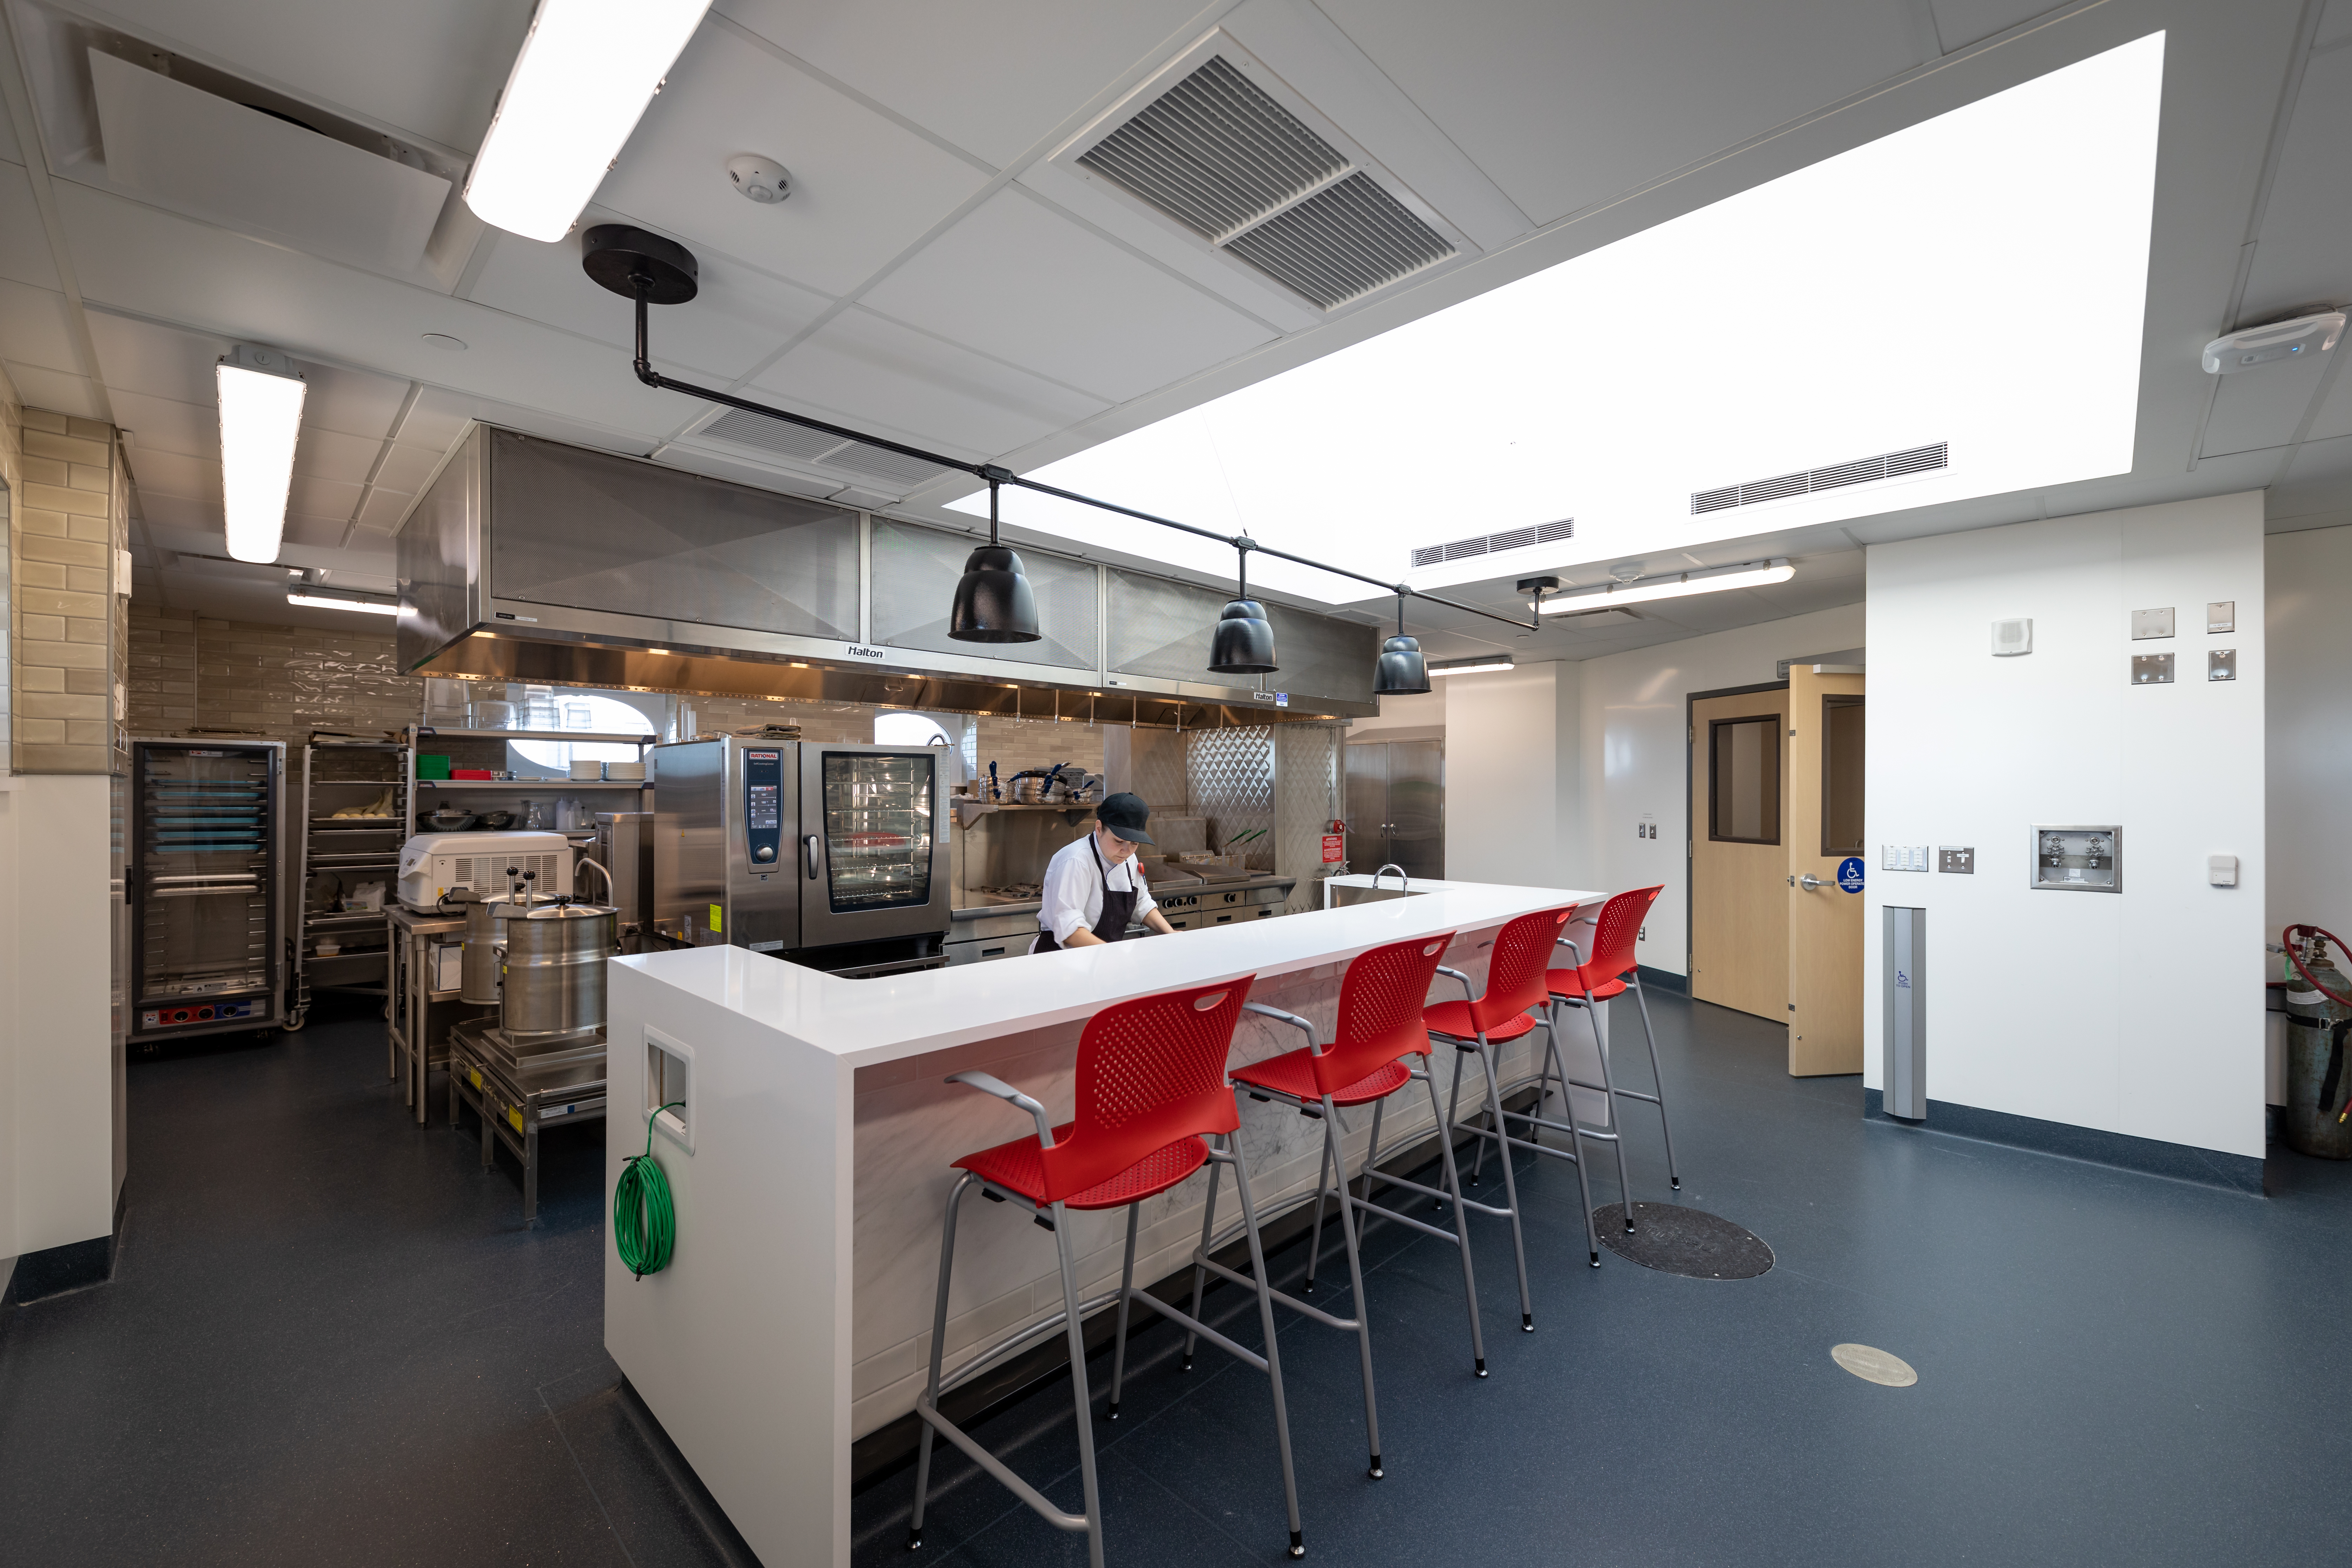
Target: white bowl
(586,771)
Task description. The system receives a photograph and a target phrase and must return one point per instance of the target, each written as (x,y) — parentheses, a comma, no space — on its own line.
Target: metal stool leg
(1453,1114)
(1356,1281)
(1084,1405)
(1273,1349)
(1673,1176)
(1200,1272)
(1510,1184)
(1118,1340)
(1616,1119)
(938,1350)
(1576,1142)
(1322,1183)
(1461,1223)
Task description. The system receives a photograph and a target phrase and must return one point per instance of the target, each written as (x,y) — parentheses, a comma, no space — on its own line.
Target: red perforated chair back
(1614,935)
(1380,1003)
(1149,1071)
(1515,970)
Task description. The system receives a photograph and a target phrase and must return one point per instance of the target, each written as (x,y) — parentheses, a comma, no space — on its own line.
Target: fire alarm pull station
(2078,859)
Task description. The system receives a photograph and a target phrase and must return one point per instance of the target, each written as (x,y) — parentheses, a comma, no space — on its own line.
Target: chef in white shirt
(1093,887)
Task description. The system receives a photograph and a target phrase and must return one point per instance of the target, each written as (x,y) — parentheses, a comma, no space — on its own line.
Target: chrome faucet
(1403,882)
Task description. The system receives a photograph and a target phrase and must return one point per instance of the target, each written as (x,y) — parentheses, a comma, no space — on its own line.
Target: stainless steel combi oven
(832,856)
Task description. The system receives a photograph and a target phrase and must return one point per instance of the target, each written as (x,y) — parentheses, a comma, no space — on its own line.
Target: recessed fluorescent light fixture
(1470,666)
(314,599)
(1750,575)
(260,420)
(1848,305)
(587,70)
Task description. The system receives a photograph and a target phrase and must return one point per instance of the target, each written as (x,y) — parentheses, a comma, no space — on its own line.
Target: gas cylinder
(2318,1075)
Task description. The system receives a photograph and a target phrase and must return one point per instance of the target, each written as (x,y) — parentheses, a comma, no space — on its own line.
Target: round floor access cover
(1677,1240)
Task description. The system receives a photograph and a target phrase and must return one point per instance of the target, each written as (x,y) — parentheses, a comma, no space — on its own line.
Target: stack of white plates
(629,772)
(587,770)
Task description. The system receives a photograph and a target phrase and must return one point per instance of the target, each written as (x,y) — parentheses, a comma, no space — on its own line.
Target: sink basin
(1341,897)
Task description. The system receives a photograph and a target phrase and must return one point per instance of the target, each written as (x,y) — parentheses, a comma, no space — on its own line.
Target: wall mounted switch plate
(2221,615)
(2152,623)
(1903,856)
(1952,858)
(2222,871)
(2221,664)
(2152,670)
(2012,636)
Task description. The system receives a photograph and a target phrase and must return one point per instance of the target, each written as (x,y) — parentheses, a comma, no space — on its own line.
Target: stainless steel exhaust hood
(528,560)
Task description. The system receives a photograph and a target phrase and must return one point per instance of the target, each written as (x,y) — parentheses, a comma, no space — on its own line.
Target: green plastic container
(432,764)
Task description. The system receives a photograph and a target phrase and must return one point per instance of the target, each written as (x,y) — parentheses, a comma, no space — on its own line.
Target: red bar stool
(1379,1029)
(1515,983)
(1612,972)
(1151,1086)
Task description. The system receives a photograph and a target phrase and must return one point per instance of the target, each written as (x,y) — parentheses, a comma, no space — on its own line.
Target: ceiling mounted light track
(993,600)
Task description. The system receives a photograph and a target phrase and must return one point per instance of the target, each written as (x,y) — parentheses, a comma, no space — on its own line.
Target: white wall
(58,1068)
(1421,717)
(2308,619)
(2139,1013)
(1513,790)
(1635,755)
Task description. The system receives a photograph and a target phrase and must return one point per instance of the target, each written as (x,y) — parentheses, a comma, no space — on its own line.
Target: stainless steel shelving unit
(522,788)
(337,774)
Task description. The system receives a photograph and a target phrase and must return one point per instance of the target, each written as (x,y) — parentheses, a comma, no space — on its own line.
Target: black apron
(1118,909)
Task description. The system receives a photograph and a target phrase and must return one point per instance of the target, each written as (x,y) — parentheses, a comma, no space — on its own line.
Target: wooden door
(1825,727)
(1738,852)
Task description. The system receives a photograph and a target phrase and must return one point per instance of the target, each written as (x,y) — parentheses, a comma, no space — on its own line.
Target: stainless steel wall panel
(1228,776)
(593,532)
(1161,628)
(435,556)
(1322,655)
(915,576)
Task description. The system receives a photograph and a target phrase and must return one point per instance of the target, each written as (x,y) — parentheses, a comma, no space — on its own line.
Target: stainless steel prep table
(516,1097)
(416,1027)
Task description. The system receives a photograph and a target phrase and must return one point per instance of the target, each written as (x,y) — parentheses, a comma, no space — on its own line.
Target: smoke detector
(762,180)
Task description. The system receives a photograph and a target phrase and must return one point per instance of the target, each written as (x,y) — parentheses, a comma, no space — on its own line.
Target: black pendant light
(1242,643)
(992,600)
(1403,671)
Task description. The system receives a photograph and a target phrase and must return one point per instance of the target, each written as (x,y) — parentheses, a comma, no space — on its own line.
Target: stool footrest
(989,1355)
(1193,1324)
(1074,1522)
(1378,1213)
(1573,1131)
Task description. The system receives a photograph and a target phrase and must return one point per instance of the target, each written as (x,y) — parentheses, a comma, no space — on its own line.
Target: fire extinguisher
(2319,1011)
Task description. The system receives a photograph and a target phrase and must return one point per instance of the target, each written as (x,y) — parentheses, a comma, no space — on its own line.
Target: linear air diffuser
(1489,543)
(1861,471)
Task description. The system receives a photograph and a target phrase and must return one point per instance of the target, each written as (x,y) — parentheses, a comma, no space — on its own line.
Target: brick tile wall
(67,631)
(281,681)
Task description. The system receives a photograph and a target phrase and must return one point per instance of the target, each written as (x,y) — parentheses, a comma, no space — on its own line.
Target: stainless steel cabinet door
(1396,806)
(1368,805)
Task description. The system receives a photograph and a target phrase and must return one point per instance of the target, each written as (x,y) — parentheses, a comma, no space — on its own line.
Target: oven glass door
(869,843)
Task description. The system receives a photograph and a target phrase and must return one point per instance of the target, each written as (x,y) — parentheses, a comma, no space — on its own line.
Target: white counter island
(811,1164)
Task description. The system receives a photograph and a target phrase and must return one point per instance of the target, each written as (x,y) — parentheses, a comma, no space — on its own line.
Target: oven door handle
(808,852)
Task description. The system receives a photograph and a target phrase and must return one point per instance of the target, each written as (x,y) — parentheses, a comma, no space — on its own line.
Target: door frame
(1691,700)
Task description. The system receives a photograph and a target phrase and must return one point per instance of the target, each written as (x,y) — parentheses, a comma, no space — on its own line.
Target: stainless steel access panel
(782,846)
(1905,1037)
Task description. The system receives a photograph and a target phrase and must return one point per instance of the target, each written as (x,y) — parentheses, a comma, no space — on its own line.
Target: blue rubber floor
(329,1339)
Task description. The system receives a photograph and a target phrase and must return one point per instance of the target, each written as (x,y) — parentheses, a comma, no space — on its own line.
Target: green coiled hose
(645,1226)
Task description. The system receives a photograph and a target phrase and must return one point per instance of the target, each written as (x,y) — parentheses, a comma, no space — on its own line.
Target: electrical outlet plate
(2221,615)
(2152,670)
(1954,858)
(2152,623)
(2221,664)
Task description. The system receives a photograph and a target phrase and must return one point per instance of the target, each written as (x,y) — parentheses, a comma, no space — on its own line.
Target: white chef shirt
(1074,888)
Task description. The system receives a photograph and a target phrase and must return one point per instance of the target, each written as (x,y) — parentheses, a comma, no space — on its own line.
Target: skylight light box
(1850,308)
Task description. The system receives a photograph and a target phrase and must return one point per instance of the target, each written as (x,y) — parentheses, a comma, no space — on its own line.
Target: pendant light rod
(643,279)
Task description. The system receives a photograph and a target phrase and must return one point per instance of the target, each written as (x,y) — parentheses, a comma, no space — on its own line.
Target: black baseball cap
(1125,816)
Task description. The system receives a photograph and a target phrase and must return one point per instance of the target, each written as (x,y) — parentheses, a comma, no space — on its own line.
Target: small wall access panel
(2152,623)
(2221,664)
(2152,670)
(2221,615)
(2078,859)
(1905,1076)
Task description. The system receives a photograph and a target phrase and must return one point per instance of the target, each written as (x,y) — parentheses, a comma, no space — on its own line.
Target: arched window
(585,710)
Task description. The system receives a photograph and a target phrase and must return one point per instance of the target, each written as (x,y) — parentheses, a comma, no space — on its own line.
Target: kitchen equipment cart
(426,974)
(517,1096)
(339,854)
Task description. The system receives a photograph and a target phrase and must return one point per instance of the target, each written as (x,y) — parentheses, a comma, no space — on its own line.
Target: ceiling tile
(24,238)
(1564,105)
(318,532)
(433,67)
(36,328)
(739,317)
(324,497)
(2304,253)
(874,371)
(864,186)
(331,454)
(41,387)
(351,402)
(1019,281)
(962,72)
(195,515)
(176,474)
(384,509)
(165,425)
(2258,408)
(1959,23)
(161,362)
(407,468)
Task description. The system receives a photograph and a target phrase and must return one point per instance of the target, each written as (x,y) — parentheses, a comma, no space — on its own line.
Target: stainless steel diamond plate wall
(1229,774)
(1307,800)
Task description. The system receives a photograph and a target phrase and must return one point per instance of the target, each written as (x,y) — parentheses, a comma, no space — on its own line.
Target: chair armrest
(1574,952)
(1467,995)
(1314,1045)
(988,1083)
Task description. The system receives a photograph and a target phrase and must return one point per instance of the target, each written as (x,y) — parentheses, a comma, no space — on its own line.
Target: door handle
(1812,883)
(808,849)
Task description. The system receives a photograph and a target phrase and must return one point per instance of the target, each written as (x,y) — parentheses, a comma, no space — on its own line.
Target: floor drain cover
(1676,1240)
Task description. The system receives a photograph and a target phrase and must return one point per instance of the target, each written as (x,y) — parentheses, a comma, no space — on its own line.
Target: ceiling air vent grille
(1861,471)
(1221,157)
(745,428)
(1488,544)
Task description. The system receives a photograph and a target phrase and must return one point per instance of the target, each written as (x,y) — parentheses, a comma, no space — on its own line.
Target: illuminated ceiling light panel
(1479,666)
(338,602)
(585,74)
(1846,307)
(260,421)
(1751,575)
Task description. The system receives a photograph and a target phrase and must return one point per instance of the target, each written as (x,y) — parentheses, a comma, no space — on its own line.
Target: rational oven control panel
(763,796)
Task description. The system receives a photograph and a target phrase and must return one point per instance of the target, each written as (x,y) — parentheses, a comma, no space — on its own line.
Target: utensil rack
(353,849)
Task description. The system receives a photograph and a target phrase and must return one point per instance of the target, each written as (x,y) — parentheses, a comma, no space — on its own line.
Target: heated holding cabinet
(207,922)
